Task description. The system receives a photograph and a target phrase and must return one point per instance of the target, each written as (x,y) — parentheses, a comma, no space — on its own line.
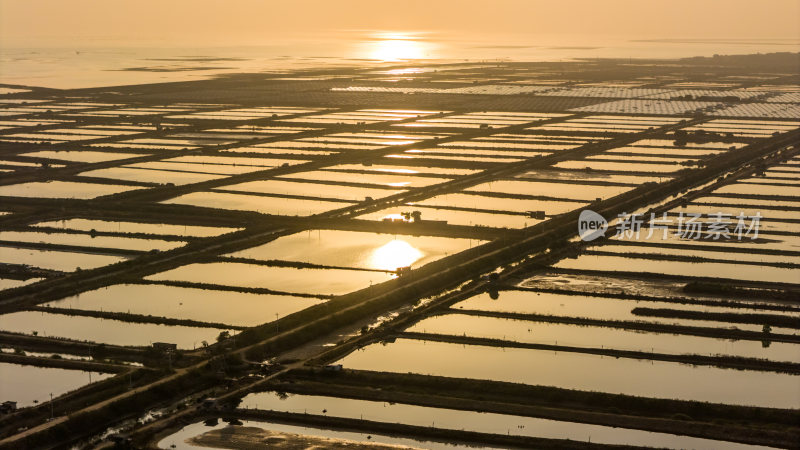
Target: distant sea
(97,65)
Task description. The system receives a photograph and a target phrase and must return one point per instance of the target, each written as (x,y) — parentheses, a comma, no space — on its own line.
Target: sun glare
(396,47)
(395,254)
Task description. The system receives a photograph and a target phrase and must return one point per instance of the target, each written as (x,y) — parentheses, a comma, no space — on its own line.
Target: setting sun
(396,47)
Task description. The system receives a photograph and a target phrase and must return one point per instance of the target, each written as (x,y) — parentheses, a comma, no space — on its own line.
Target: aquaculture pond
(107,331)
(30,385)
(580,371)
(192,437)
(205,305)
(357,249)
(455,217)
(264,204)
(533,332)
(480,422)
(62,189)
(282,279)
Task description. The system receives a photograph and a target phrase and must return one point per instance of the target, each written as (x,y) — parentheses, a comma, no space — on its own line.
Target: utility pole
(51,406)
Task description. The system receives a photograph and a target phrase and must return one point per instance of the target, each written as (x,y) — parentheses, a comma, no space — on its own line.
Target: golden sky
(169,23)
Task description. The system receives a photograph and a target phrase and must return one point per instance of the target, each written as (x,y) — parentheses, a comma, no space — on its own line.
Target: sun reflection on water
(397,47)
(394,254)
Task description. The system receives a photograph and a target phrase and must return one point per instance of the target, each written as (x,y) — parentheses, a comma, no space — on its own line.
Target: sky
(185,23)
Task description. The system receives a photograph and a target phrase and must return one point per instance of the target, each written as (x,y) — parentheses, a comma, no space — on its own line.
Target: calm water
(24,384)
(358,249)
(179,440)
(283,279)
(581,371)
(108,331)
(95,64)
(599,308)
(593,337)
(471,421)
(232,308)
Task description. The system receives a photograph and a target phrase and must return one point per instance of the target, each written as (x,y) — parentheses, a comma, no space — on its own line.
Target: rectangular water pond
(29,385)
(597,308)
(532,332)
(682,268)
(310,189)
(259,203)
(136,227)
(474,201)
(55,259)
(358,249)
(106,331)
(200,435)
(62,189)
(86,240)
(142,175)
(581,371)
(391,180)
(584,192)
(455,217)
(205,305)
(283,279)
(475,421)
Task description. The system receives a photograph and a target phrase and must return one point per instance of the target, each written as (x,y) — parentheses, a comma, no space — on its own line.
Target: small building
(538,215)
(165,347)
(333,368)
(8,406)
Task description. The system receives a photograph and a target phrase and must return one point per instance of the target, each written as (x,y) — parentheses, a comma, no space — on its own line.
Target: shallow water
(178,440)
(311,190)
(550,207)
(26,384)
(205,305)
(62,189)
(469,420)
(400,169)
(455,217)
(56,260)
(581,371)
(284,279)
(263,204)
(87,156)
(552,174)
(108,331)
(85,240)
(718,253)
(136,227)
(397,181)
(585,192)
(8,283)
(143,175)
(598,308)
(358,249)
(619,166)
(456,324)
(682,268)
